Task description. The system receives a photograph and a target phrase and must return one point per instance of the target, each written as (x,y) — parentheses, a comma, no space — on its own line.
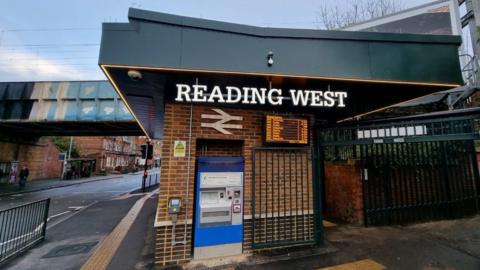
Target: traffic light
(147,151)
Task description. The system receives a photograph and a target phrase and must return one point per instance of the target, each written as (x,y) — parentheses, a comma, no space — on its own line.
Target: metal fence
(411,182)
(340,138)
(282,197)
(151,180)
(413,170)
(22,227)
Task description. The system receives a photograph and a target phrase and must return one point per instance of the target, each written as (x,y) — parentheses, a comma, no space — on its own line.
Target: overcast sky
(59,39)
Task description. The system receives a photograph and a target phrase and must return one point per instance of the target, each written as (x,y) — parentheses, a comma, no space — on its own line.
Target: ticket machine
(219,207)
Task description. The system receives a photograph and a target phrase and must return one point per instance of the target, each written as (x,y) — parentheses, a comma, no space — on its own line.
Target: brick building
(243,113)
(211,143)
(112,153)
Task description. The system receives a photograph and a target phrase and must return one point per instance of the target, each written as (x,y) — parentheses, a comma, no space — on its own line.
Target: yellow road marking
(104,253)
(357,265)
(328,224)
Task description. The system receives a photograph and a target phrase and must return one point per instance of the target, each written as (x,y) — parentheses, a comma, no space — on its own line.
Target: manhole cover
(70,250)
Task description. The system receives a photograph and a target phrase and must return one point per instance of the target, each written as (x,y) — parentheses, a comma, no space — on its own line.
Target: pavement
(450,244)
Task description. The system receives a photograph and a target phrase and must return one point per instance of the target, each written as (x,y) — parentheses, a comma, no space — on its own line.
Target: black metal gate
(282,197)
(409,182)
(412,170)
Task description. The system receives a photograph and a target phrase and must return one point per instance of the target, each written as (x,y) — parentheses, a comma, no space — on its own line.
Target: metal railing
(151,180)
(21,227)
(412,170)
(445,128)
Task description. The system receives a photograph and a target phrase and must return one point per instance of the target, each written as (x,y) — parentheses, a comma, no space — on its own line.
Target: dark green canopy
(377,69)
(154,39)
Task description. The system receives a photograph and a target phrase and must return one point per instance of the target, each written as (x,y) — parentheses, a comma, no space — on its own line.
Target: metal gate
(412,170)
(282,197)
(409,182)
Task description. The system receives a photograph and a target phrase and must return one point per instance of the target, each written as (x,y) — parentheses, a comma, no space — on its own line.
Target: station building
(260,132)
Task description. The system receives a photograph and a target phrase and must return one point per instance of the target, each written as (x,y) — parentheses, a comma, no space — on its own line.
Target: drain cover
(66,250)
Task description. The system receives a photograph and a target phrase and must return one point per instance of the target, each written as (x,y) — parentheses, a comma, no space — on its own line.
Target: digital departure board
(281,129)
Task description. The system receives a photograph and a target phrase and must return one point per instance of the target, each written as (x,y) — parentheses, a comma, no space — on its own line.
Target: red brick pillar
(343,191)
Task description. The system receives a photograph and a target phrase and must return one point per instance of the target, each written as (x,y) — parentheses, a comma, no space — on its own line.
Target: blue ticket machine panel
(219,207)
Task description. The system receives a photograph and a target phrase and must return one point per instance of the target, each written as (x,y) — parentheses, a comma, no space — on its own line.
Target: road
(83,213)
(67,200)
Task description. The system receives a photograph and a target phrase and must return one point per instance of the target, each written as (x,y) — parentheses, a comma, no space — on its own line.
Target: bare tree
(355,11)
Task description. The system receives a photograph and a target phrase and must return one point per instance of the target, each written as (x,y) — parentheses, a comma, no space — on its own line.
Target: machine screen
(209,197)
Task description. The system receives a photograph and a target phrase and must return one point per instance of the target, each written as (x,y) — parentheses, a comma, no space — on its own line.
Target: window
(392,132)
(467,41)
(463,9)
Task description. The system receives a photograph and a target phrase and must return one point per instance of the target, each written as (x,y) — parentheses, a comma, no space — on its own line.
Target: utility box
(219,207)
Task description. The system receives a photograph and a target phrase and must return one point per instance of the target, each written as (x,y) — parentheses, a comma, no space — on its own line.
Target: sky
(60,40)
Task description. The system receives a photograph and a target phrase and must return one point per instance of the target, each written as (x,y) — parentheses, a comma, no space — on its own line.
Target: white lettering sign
(220,179)
(262,96)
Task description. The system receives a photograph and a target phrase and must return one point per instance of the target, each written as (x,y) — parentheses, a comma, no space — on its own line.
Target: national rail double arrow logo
(223,118)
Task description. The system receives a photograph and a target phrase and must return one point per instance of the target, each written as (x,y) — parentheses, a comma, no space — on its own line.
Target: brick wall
(89,146)
(174,170)
(343,191)
(168,254)
(219,148)
(474,100)
(40,156)
(46,161)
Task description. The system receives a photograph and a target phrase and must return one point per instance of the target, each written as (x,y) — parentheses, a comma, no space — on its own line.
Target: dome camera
(135,75)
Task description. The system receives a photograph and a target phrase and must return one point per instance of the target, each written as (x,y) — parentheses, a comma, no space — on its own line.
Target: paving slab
(452,244)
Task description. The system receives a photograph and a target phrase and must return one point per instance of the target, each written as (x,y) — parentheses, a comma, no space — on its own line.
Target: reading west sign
(262,96)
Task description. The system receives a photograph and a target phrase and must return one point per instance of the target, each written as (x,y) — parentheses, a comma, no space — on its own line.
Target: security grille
(282,197)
